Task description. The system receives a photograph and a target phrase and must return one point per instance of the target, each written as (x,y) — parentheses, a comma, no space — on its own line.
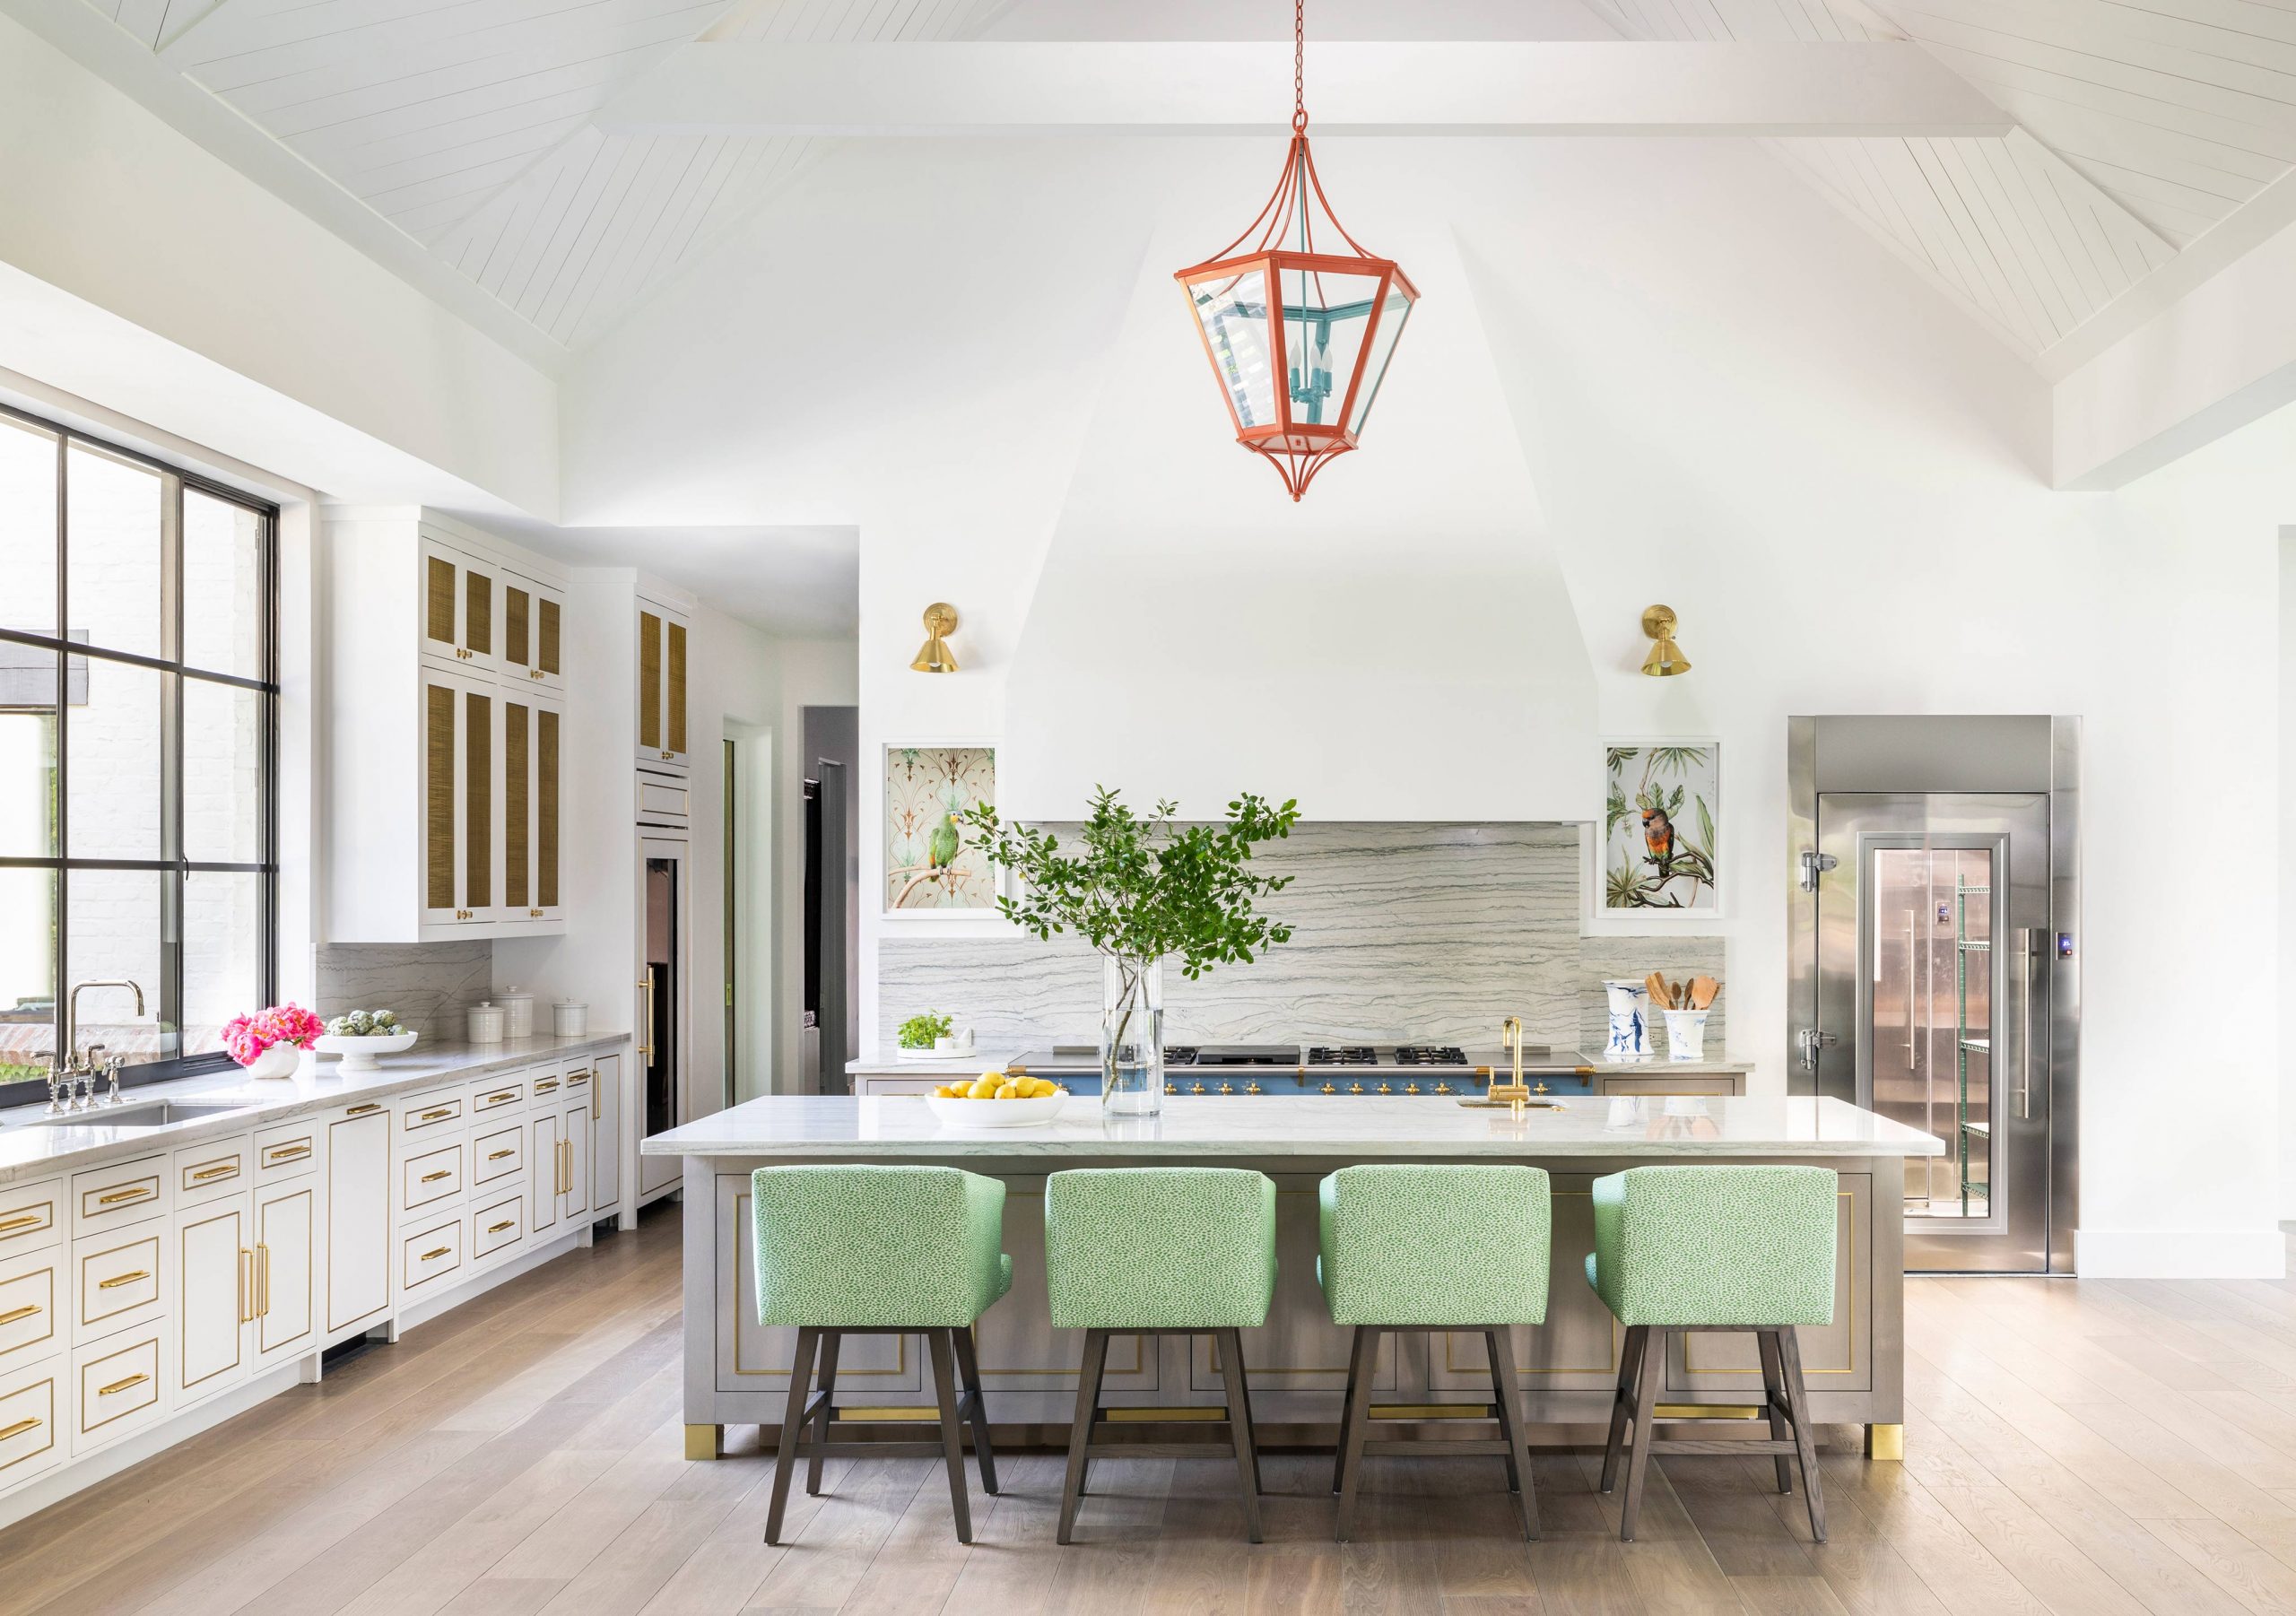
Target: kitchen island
(736,1372)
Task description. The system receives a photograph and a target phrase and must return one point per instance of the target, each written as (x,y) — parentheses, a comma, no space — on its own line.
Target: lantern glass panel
(1393,311)
(1326,314)
(1233,309)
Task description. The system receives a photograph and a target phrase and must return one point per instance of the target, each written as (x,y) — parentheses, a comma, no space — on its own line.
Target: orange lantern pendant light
(1298,335)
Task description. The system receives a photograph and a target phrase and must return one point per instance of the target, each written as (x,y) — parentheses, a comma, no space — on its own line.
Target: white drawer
(431,1256)
(32,1216)
(105,1198)
(287,1150)
(119,1383)
(428,1178)
(440,1108)
(499,1227)
(121,1280)
(220,1166)
(497,1153)
(498,1094)
(662,800)
(546,1084)
(33,1410)
(31,1296)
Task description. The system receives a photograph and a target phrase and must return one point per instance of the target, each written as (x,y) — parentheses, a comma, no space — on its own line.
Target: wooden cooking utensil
(1657,983)
(1702,992)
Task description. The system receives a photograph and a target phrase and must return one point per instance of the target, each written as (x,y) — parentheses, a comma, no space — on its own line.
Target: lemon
(1041,1088)
(944,1091)
(983,1088)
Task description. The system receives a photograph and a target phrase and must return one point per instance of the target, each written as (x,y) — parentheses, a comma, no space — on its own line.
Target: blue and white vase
(1629,1035)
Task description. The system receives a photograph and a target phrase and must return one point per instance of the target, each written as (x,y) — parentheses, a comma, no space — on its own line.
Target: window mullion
(171,747)
(62,807)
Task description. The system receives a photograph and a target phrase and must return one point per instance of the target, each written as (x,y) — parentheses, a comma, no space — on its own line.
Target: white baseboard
(2196,1254)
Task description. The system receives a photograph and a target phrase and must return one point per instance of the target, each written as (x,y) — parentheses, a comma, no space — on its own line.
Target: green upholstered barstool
(1421,1247)
(1160,1251)
(879,1251)
(1681,1250)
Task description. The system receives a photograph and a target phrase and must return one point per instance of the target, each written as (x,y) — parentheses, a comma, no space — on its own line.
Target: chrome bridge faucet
(70,1065)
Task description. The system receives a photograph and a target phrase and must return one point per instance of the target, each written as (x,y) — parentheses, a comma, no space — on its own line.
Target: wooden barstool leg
(968,1370)
(1240,1425)
(826,1379)
(1355,1370)
(1506,1393)
(1359,1418)
(801,1379)
(1630,1369)
(1080,1430)
(952,1440)
(1638,1453)
(1806,1443)
(1773,1381)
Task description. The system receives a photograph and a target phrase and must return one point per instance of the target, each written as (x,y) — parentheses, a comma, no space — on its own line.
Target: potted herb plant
(1143,890)
(917,1035)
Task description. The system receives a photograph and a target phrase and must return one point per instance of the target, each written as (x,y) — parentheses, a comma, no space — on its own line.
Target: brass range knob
(1442,1088)
(1540,1090)
(1331,1088)
(1385,1089)
(1355,1087)
(1197,1090)
(1411,1088)
(1226,1088)
(1251,1088)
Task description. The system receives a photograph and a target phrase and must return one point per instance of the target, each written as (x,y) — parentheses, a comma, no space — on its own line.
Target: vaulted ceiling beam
(1482,88)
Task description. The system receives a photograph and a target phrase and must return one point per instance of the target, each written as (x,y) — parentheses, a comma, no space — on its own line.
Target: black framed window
(139,722)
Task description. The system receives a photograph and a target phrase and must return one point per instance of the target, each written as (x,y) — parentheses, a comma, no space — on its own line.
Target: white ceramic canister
(1630,1021)
(518,1013)
(570,1019)
(1686,1034)
(485,1022)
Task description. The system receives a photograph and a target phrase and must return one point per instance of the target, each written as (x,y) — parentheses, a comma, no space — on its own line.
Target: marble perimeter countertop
(30,1146)
(840,1127)
(976,1062)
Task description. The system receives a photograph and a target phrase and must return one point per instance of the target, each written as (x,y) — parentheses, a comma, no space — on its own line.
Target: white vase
(281,1060)
(1629,1021)
(1686,1034)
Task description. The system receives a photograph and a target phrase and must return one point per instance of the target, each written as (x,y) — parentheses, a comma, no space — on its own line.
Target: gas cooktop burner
(1343,1055)
(1429,1055)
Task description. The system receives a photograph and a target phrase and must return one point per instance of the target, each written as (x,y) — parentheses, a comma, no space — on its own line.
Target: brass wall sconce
(940,622)
(1665,658)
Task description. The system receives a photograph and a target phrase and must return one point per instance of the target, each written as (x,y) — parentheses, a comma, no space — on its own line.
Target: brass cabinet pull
(507,1094)
(121,1385)
(18,1428)
(22,1220)
(548,1086)
(137,1194)
(435,1112)
(576,1078)
(362,1111)
(15,1314)
(496,1229)
(228,1169)
(287,1152)
(263,1280)
(432,1256)
(646,1049)
(434,1178)
(499,1155)
(118,1280)
(242,1276)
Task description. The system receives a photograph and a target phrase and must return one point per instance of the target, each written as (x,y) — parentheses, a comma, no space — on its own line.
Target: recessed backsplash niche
(428,984)
(1432,931)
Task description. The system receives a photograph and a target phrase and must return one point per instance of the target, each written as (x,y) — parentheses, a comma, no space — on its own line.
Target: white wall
(2287,732)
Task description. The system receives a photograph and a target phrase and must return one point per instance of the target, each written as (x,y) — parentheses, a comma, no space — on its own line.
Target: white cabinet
(214,1297)
(574,1152)
(533,618)
(288,1250)
(358,1254)
(605,1136)
(534,751)
(662,639)
(462,801)
(544,1161)
(462,606)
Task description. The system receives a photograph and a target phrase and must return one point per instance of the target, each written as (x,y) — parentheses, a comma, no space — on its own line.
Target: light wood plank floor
(2073,1448)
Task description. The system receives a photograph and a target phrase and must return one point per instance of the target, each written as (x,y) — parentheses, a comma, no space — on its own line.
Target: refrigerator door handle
(2027,955)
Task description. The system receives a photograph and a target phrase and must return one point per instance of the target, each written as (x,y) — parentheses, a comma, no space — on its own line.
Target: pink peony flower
(246,1037)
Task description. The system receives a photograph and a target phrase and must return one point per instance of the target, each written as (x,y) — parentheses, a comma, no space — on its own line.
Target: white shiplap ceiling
(2144,123)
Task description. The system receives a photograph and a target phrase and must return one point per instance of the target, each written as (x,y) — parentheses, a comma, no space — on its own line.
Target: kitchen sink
(151,1115)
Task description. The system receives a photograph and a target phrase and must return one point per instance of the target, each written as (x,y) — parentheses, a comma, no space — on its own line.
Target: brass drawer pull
(228,1169)
(262,1280)
(507,1094)
(22,1220)
(18,1428)
(14,1314)
(431,1256)
(121,1385)
(435,1112)
(118,1280)
(499,1155)
(547,1086)
(137,1194)
(496,1229)
(362,1111)
(287,1152)
(434,1178)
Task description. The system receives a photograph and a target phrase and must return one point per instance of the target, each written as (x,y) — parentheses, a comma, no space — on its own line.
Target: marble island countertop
(975,1062)
(32,1142)
(825,1127)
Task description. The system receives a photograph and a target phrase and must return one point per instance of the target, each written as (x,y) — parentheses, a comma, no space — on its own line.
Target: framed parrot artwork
(1661,804)
(928,868)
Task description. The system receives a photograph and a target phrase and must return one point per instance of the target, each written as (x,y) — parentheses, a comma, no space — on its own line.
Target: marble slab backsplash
(428,984)
(1433,930)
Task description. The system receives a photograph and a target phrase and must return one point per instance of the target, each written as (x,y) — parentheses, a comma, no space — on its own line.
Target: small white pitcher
(1629,1031)
(1686,1034)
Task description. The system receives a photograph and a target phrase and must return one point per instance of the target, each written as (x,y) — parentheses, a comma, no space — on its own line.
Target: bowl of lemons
(999,1099)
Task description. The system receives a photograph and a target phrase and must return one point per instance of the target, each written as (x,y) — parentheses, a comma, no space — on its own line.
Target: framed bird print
(1662,807)
(929,868)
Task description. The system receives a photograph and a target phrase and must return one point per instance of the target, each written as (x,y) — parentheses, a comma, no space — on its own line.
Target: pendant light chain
(1298,66)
